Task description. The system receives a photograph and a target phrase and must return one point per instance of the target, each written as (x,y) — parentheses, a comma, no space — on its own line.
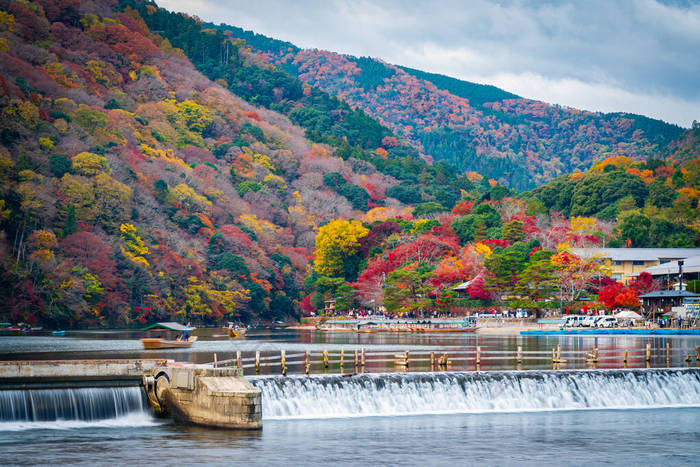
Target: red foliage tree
(627,299)
(463,208)
(88,250)
(644,283)
(306,305)
(377,235)
(477,288)
(609,293)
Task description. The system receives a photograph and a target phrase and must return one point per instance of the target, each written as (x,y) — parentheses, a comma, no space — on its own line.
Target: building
(462,289)
(662,302)
(667,273)
(627,263)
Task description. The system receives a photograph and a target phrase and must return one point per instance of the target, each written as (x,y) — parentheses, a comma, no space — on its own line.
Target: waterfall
(73,408)
(475,392)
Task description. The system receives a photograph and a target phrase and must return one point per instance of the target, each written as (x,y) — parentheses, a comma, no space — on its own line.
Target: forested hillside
(519,142)
(156,168)
(136,189)
(513,251)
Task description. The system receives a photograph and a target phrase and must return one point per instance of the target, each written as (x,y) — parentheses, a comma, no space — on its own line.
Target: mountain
(519,142)
(137,189)
(154,167)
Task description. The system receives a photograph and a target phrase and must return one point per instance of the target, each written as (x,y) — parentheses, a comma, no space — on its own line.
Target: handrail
(442,357)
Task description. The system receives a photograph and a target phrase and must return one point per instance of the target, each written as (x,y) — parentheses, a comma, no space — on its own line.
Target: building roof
(669,294)
(690,265)
(638,254)
(465,285)
(169,325)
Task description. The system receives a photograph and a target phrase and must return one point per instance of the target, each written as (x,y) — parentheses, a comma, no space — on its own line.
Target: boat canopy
(172,326)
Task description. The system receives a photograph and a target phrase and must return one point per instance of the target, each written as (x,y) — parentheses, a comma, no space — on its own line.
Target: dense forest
(157,167)
(136,189)
(512,251)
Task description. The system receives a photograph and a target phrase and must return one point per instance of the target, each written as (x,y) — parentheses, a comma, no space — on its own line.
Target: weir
(392,394)
(86,391)
(221,397)
(81,404)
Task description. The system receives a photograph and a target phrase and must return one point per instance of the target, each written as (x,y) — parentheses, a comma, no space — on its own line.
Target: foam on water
(73,408)
(127,421)
(475,392)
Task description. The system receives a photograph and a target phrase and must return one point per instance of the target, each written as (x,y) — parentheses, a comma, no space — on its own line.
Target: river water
(501,416)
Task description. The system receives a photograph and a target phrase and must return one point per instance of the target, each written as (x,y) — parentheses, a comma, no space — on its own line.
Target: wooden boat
(162,336)
(444,330)
(160,343)
(368,327)
(236,332)
(333,329)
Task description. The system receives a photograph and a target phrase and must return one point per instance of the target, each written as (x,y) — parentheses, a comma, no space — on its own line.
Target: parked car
(572,321)
(607,322)
(589,321)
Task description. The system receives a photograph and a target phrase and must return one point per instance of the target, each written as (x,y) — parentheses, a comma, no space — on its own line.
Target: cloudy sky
(640,56)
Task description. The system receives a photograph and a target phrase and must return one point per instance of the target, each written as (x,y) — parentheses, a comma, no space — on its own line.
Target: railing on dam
(358,360)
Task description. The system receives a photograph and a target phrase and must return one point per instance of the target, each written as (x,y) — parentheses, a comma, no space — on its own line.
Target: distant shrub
(248,185)
(60,164)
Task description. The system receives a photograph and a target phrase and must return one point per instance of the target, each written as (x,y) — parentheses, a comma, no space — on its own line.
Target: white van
(573,321)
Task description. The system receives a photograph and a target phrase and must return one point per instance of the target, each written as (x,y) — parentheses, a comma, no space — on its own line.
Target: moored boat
(162,336)
(333,329)
(236,331)
(160,343)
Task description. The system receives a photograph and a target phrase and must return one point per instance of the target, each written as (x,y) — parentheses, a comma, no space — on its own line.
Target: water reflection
(125,344)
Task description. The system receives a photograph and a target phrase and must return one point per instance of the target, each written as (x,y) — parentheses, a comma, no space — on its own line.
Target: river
(500,416)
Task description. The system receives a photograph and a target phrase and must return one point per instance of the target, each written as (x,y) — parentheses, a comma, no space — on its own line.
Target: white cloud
(598,97)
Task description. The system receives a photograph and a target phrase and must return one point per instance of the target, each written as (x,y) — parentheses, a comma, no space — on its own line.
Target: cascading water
(447,393)
(69,408)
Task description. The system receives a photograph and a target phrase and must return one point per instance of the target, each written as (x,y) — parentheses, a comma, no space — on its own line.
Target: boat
(368,327)
(58,333)
(333,329)
(160,343)
(162,336)
(236,331)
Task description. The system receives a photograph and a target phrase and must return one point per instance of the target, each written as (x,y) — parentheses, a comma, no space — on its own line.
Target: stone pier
(214,397)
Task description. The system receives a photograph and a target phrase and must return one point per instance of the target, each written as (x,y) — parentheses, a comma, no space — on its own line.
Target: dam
(221,397)
(336,418)
(88,391)
(394,394)
(380,412)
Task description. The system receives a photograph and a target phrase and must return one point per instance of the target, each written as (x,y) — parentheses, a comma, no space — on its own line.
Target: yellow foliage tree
(103,73)
(482,250)
(136,249)
(575,272)
(196,117)
(265,161)
(583,225)
(98,199)
(7,21)
(335,242)
(43,242)
(189,199)
(23,112)
(88,163)
(167,155)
